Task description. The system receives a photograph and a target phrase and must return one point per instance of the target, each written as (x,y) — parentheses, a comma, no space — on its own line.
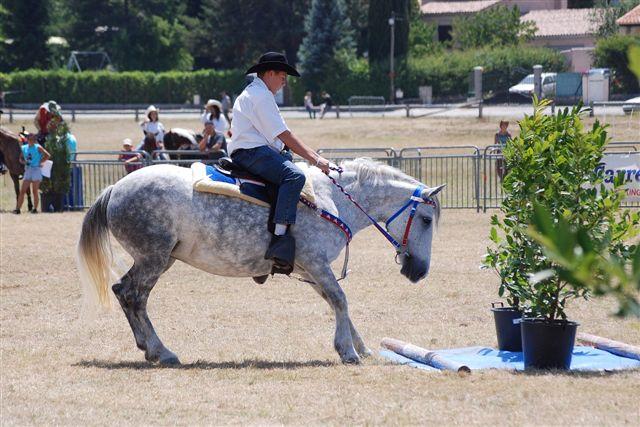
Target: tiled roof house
(630,22)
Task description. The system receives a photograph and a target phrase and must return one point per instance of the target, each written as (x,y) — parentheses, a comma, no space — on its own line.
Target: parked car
(632,106)
(525,87)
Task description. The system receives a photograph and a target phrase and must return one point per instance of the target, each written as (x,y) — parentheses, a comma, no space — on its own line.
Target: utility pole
(392,24)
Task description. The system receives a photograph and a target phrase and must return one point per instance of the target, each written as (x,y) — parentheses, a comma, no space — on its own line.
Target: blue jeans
(278,169)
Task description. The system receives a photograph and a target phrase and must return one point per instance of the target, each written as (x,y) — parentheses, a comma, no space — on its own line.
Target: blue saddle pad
(218,176)
(583,359)
(256,191)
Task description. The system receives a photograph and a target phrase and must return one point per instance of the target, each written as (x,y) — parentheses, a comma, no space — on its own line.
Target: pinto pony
(158,218)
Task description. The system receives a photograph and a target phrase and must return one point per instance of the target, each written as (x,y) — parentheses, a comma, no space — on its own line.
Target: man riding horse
(262,144)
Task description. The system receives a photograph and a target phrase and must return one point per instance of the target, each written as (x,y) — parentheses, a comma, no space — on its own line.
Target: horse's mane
(371,172)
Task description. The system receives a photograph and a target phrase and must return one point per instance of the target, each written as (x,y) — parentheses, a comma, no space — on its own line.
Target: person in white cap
(151,126)
(213,114)
(130,158)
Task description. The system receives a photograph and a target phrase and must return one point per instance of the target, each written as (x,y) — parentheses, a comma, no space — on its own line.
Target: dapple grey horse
(158,218)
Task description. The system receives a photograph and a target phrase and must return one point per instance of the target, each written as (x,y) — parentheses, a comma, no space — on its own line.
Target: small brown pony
(10,148)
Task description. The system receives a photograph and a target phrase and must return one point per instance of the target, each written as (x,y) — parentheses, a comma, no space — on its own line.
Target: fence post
(591,112)
(480,103)
(337,111)
(136,119)
(408,110)
(10,115)
(73,115)
(537,80)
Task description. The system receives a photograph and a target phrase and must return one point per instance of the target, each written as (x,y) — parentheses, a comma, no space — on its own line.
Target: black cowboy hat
(273,61)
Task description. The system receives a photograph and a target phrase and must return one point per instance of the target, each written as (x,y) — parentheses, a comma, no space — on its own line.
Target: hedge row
(448,73)
(131,87)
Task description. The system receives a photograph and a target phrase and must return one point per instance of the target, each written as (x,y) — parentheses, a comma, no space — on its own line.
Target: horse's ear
(432,191)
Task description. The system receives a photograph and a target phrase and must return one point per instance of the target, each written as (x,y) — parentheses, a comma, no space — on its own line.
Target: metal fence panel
(473,178)
(456,166)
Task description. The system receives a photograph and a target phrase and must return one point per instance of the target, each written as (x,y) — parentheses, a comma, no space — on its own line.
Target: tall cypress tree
(380,30)
(328,31)
(26,28)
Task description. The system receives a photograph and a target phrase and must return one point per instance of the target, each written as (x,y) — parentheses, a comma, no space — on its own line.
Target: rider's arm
(304,151)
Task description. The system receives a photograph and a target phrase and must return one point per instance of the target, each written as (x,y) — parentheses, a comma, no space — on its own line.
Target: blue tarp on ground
(583,359)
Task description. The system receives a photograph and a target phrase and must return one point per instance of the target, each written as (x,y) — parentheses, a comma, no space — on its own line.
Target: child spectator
(130,158)
(501,137)
(32,157)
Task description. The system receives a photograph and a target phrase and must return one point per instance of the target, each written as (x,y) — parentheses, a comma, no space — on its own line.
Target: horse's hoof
(170,361)
(351,360)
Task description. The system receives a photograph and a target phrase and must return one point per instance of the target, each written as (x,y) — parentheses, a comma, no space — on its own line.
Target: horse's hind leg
(133,292)
(358,342)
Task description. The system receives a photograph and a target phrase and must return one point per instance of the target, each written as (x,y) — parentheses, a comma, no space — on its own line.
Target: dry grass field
(256,354)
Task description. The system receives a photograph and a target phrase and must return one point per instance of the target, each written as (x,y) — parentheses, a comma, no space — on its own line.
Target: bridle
(412,204)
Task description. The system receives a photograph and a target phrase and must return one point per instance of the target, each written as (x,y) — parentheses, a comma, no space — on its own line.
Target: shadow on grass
(204,365)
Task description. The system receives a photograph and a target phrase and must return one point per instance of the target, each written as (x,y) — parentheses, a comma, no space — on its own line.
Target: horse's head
(416,259)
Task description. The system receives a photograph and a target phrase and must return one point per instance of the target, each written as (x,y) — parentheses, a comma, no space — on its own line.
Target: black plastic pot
(548,344)
(52,202)
(508,332)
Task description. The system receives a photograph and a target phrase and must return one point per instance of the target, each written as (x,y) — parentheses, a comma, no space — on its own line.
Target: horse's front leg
(358,342)
(328,287)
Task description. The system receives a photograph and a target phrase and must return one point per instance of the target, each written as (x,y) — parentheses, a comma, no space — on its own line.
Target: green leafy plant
(587,263)
(56,145)
(553,163)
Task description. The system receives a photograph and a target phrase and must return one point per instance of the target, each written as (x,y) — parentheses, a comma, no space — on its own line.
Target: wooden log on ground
(423,355)
(614,347)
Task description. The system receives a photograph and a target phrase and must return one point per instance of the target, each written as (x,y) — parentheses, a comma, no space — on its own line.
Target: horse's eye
(426,220)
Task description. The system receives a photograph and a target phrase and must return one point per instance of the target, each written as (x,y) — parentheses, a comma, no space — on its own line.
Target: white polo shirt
(256,119)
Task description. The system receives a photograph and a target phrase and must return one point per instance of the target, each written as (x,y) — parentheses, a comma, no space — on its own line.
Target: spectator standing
(308,105)
(327,103)
(500,138)
(130,158)
(45,114)
(226,105)
(32,157)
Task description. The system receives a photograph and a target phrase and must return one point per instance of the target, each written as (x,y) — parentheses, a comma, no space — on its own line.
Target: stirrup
(282,251)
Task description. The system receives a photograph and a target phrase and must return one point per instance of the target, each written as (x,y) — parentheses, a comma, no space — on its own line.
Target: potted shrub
(55,187)
(552,163)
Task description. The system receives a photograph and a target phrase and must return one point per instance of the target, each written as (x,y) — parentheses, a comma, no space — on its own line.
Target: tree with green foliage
(358,13)
(233,34)
(496,26)
(611,52)
(329,34)
(423,37)
(137,35)
(25,36)
(380,30)
(606,13)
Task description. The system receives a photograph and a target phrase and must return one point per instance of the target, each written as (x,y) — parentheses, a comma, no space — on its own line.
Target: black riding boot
(282,251)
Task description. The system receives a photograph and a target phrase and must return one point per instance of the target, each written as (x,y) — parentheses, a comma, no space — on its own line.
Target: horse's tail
(94,256)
